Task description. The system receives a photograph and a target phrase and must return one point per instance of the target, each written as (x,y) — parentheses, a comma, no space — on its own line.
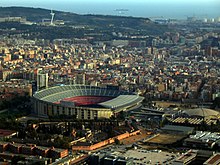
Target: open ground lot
(166,104)
(164,139)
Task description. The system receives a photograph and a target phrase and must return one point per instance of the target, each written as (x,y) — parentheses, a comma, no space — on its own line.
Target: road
(4,110)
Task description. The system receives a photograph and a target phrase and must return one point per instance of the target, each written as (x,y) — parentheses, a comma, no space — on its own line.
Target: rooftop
(213,160)
(206,136)
(187,157)
(176,128)
(202,112)
(6,133)
(121,101)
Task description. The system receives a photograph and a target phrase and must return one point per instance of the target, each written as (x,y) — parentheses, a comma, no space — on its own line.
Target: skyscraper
(42,80)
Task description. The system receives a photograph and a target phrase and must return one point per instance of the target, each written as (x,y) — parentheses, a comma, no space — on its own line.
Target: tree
(117,141)
(15,159)
(216,102)
(164,122)
(186,122)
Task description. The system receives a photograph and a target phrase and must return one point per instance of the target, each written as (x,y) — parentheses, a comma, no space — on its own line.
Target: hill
(98,27)
(37,14)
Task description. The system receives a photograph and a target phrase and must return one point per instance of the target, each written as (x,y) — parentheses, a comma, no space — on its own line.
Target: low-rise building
(213,160)
(57,153)
(6,134)
(41,151)
(186,158)
(3,146)
(28,149)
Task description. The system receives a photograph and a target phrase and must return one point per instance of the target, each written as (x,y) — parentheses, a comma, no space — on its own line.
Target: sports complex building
(83,102)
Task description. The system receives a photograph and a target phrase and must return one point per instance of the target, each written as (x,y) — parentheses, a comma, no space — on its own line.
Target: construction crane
(52,17)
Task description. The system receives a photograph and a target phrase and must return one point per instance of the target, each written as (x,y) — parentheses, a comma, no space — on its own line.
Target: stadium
(83,102)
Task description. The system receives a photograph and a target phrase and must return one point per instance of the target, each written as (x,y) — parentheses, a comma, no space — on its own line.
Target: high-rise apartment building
(42,80)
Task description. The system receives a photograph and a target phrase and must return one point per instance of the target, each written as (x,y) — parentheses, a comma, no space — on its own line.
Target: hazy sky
(143,8)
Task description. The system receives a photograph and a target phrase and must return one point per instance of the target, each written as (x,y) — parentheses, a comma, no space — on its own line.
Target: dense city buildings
(108,90)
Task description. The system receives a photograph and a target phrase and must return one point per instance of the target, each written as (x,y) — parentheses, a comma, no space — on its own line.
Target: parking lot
(142,156)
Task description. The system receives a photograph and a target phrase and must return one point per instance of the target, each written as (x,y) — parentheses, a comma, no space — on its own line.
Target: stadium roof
(122,101)
(202,112)
(58,93)
(83,95)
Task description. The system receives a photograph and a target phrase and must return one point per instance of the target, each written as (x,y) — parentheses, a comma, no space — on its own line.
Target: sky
(138,8)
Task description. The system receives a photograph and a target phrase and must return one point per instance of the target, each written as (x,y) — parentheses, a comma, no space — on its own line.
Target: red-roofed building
(5,134)
(27,149)
(57,153)
(14,148)
(41,151)
(3,146)
(213,160)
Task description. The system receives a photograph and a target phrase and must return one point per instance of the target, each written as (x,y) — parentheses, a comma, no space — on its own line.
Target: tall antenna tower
(52,17)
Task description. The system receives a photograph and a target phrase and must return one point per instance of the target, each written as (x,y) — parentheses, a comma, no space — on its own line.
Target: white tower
(52,17)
